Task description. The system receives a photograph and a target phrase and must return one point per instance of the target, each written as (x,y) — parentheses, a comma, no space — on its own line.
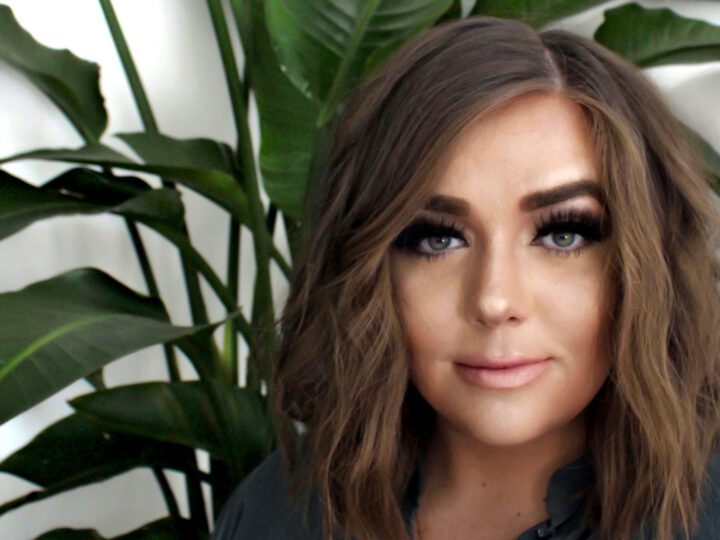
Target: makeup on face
(561,231)
(568,229)
(500,276)
(503,377)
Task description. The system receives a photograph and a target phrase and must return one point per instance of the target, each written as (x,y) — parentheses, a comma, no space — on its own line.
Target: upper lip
(499,362)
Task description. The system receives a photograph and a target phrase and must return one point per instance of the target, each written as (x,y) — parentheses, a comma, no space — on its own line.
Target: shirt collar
(565,492)
(567,489)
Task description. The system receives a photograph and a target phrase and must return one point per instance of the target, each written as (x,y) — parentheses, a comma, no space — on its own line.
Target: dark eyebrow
(445,204)
(579,188)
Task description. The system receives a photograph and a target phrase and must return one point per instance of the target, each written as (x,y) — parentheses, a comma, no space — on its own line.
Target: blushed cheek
(425,338)
(427,309)
(427,341)
(589,328)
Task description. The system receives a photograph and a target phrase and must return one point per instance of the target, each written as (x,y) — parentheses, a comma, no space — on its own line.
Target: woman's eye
(424,238)
(437,243)
(563,233)
(566,241)
(571,231)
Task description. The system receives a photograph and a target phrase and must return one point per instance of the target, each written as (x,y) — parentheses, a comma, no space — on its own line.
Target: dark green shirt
(261,509)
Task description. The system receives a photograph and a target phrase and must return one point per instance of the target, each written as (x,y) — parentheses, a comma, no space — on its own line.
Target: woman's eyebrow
(445,204)
(548,197)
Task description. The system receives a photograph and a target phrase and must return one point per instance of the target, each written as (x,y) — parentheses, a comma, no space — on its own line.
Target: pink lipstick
(503,374)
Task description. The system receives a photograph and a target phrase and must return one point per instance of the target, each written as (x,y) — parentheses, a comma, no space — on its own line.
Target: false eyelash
(421,228)
(583,222)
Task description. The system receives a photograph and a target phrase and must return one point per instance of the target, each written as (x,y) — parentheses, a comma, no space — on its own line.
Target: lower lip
(503,378)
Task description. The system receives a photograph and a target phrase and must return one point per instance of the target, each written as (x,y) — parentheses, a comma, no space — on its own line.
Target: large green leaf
(93,187)
(323,45)
(192,154)
(83,191)
(162,529)
(183,413)
(655,37)
(57,331)
(287,117)
(71,83)
(204,165)
(536,13)
(200,164)
(90,154)
(381,54)
(76,451)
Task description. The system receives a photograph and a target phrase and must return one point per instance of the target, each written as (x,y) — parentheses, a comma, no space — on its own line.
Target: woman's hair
(342,369)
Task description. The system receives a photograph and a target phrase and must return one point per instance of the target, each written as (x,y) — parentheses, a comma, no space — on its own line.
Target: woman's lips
(503,377)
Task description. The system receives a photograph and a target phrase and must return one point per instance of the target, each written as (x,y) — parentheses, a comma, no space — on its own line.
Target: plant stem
(233,280)
(274,253)
(262,309)
(294,236)
(230,352)
(167,492)
(195,298)
(232,75)
(170,359)
(271,219)
(131,72)
(196,262)
(281,262)
(197,304)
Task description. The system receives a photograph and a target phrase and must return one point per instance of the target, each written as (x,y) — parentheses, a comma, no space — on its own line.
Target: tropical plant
(301,60)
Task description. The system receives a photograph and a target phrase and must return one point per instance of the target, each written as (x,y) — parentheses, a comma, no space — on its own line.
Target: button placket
(545,532)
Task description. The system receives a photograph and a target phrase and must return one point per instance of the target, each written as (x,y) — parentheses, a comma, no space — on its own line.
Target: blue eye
(571,231)
(434,247)
(566,232)
(424,232)
(563,240)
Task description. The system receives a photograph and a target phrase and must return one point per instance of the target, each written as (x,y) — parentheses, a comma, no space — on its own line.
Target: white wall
(176,55)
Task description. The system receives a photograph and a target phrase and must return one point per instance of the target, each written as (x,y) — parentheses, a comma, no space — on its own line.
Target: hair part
(342,367)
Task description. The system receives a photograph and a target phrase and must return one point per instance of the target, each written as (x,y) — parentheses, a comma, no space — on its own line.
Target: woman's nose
(499,287)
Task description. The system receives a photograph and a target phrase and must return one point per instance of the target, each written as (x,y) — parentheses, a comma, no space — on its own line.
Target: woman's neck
(462,459)
(472,480)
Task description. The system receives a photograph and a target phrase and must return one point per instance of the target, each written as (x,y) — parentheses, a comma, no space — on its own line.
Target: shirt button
(543,533)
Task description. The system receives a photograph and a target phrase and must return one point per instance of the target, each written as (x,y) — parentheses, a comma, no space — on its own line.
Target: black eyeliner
(583,222)
(423,228)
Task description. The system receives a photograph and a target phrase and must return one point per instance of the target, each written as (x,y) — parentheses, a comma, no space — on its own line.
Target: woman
(505,323)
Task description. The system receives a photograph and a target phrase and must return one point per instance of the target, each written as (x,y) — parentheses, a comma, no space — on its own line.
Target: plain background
(175,52)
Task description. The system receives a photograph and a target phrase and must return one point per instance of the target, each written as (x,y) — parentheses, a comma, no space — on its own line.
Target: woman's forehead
(534,143)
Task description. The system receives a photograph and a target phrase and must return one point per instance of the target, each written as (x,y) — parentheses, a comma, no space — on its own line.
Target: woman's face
(507,269)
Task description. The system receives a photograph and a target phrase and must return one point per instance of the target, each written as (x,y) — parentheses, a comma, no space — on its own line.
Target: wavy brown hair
(341,376)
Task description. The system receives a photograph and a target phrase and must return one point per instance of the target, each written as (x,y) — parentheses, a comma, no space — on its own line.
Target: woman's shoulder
(709,510)
(261,507)
(708,517)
